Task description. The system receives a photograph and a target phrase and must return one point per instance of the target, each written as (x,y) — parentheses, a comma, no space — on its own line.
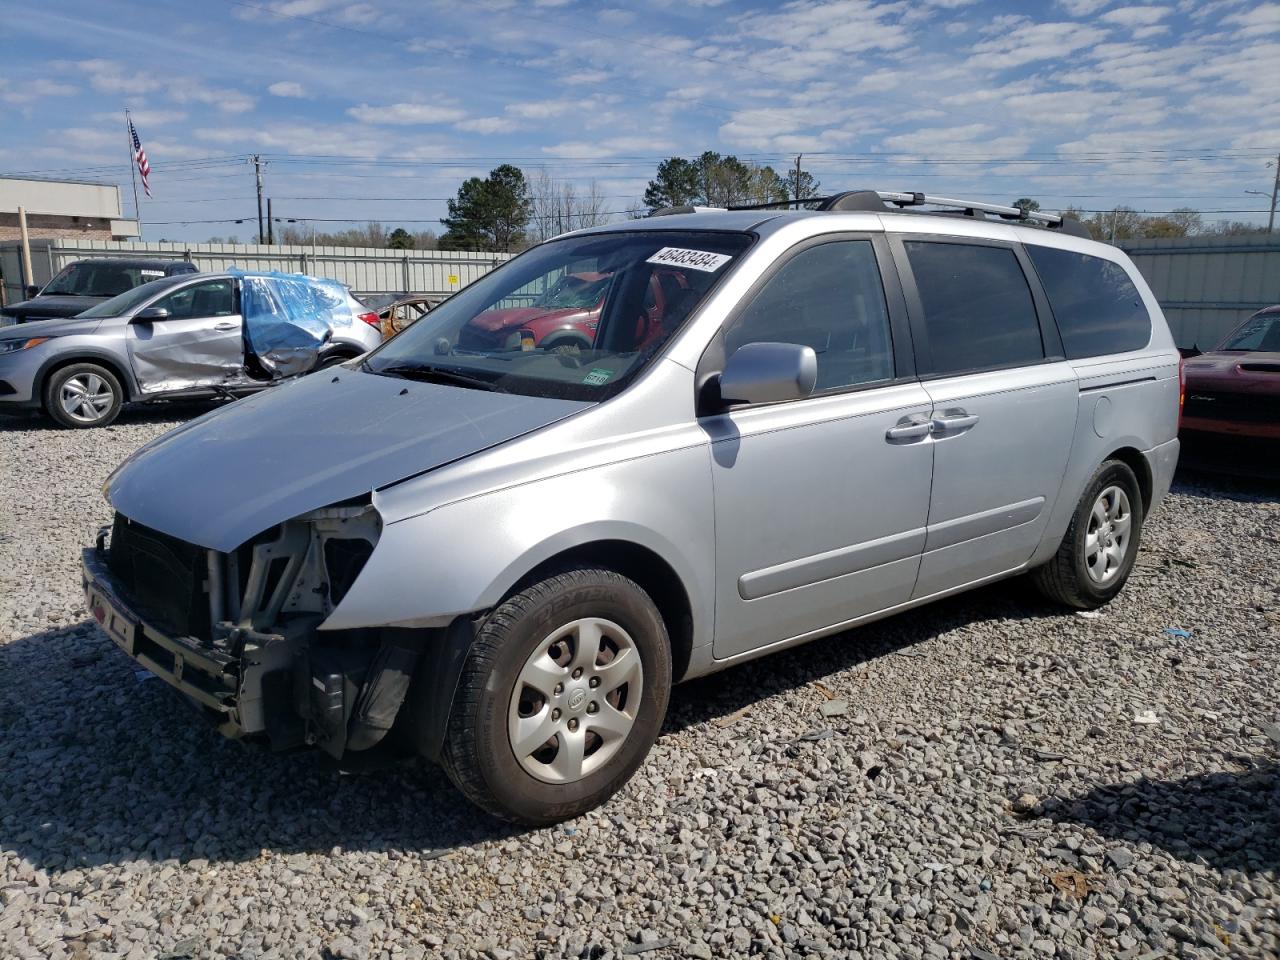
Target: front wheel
(562,694)
(1099,549)
(83,395)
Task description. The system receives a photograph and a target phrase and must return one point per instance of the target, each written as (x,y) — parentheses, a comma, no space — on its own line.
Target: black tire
(478,755)
(333,361)
(1066,578)
(85,373)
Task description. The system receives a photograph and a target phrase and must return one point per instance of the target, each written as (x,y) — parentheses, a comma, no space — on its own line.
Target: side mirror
(769,373)
(31,291)
(149,314)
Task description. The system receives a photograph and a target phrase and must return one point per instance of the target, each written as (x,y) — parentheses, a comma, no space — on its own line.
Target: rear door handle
(225,325)
(953,421)
(910,428)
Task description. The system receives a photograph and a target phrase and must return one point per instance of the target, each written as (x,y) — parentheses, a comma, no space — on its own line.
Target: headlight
(12,346)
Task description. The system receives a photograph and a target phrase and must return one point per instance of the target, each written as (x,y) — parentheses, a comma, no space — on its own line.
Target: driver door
(199,344)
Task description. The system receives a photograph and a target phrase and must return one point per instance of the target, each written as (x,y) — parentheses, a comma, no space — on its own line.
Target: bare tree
(560,206)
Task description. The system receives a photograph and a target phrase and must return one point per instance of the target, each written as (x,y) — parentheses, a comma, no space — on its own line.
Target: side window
(978,310)
(1097,307)
(828,297)
(213,298)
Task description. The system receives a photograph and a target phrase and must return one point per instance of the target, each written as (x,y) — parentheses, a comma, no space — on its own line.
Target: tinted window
(1097,307)
(828,297)
(213,298)
(978,309)
(89,279)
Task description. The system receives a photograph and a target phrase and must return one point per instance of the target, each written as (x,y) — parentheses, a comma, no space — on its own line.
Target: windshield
(1260,332)
(87,279)
(494,334)
(574,292)
(117,306)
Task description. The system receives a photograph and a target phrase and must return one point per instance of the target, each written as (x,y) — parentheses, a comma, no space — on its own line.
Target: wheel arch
(112,363)
(651,572)
(1135,461)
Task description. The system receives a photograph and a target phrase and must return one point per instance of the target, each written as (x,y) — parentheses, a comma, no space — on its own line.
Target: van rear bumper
(1163,461)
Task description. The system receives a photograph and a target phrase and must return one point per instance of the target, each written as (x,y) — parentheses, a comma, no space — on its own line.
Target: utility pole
(1275,193)
(270,232)
(1275,190)
(798,198)
(256,160)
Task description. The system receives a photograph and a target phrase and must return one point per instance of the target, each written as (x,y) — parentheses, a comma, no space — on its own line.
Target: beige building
(64,209)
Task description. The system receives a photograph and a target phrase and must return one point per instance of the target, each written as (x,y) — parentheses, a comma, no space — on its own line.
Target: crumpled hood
(239,470)
(54,305)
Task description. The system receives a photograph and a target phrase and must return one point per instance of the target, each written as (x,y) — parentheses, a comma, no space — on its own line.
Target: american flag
(140,156)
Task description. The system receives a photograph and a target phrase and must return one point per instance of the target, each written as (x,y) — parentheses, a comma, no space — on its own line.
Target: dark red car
(1231,412)
(565,317)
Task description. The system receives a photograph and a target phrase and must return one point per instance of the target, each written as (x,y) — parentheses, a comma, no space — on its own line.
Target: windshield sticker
(597,377)
(693,259)
(152,273)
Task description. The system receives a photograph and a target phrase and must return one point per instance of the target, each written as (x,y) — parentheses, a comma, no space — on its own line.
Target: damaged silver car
(499,554)
(187,336)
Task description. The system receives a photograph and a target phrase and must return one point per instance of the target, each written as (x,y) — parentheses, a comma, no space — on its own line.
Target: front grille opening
(343,560)
(162,576)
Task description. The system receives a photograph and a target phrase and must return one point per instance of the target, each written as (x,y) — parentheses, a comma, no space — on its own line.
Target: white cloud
(1082,8)
(1030,42)
(406,114)
(1258,22)
(108,76)
(586,76)
(146,118)
(1135,16)
(540,109)
(227,100)
(28,90)
(487,125)
(286,88)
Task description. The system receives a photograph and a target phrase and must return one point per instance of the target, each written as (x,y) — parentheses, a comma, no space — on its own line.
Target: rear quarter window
(1097,307)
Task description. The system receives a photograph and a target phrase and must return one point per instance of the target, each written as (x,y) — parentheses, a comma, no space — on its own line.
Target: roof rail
(969,206)
(884,201)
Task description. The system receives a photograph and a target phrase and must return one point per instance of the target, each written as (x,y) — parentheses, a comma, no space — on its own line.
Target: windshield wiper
(430,374)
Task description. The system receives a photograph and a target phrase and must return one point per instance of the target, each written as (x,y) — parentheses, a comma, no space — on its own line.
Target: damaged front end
(239,632)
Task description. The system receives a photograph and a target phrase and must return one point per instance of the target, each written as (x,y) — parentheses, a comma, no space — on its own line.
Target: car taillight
(371,319)
(1182,386)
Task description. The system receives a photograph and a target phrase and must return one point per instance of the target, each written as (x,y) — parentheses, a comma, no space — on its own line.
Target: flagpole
(133,169)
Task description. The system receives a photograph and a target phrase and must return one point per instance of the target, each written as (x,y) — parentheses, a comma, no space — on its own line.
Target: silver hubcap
(575,701)
(86,397)
(1106,543)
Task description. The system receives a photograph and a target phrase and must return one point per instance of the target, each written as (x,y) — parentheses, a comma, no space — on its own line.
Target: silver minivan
(782,424)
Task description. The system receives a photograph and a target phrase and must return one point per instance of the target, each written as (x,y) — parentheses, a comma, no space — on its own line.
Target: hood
(494,320)
(55,327)
(54,305)
(230,474)
(1239,370)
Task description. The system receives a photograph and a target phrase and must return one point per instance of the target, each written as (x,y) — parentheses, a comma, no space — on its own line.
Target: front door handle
(225,325)
(952,421)
(909,428)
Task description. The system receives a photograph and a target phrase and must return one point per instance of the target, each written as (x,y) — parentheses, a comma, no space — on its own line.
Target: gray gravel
(980,789)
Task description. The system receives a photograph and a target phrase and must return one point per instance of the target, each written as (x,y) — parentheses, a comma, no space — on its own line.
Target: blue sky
(376,110)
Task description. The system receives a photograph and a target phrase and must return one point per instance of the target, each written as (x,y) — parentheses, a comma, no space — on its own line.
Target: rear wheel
(1099,549)
(83,395)
(563,693)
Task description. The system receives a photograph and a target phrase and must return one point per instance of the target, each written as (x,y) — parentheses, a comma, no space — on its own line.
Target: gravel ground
(963,780)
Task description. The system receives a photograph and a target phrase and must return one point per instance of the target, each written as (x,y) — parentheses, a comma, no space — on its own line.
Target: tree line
(509,210)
